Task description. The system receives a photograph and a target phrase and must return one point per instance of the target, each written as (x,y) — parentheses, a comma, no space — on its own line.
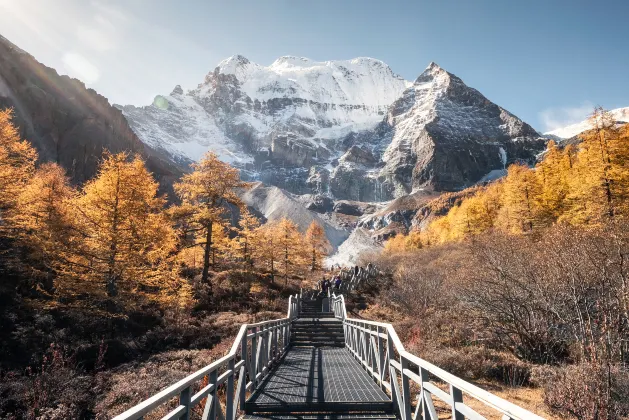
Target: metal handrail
(255,350)
(375,345)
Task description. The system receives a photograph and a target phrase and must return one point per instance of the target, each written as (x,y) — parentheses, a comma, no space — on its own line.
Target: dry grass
(531,399)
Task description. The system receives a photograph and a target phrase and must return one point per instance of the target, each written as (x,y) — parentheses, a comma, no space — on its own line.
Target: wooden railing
(377,346)
(256,348)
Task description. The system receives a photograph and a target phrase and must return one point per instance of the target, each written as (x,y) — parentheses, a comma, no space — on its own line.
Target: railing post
(243,387)
(381,355)
(406,389)
(184,399)
(254,363)
(457,397)
(424,378)
(229,408)
(391,351)
(214,396)
(275,330)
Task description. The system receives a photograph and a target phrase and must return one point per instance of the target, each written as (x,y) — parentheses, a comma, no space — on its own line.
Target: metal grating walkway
(318,379)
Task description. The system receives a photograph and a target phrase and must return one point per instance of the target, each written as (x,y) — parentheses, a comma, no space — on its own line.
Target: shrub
(474,363)
(55,390)
(587,391)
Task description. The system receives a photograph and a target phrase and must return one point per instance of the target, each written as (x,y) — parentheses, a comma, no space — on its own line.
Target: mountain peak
(432,72)
(234,60)
(291,61)
(238,65)
(433,67)
(177,91)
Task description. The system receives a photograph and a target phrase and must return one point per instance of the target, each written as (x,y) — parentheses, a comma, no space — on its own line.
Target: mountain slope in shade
(294,109)
(620,114)
(66,122)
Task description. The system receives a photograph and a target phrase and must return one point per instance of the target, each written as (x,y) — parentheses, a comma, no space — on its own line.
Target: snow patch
(620,114)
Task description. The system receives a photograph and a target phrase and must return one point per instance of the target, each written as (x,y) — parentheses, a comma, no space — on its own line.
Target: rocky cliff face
(349,129)
(66,122)
(441,135)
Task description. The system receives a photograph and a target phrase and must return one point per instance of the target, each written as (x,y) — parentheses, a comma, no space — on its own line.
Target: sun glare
(80,67)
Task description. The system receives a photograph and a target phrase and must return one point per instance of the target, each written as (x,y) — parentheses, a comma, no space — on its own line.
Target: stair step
(317,327)
(348,416)
(314,407)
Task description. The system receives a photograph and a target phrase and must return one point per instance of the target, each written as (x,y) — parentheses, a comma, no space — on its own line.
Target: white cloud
(78,66)
(559,117)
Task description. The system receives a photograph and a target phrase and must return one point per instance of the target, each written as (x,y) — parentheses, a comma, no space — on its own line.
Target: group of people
(337,280)
(326,284)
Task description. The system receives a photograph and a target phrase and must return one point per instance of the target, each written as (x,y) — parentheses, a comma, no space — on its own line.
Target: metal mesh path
(318,379)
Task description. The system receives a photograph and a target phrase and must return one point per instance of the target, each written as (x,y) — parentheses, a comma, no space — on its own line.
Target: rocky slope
(68,123)
(620,114)
(350,129)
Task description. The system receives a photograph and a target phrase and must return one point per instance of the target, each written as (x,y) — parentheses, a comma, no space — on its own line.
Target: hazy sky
(547,61)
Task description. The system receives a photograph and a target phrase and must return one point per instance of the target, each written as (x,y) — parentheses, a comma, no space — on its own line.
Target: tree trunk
(286,265)
(110,277)
(206,254)
(272,270)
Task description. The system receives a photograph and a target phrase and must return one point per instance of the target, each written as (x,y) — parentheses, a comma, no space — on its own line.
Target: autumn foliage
(115,237)
(585,185)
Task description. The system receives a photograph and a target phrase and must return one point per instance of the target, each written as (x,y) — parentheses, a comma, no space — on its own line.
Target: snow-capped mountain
(620,114)
(440,134)
(292,108)
(350,129)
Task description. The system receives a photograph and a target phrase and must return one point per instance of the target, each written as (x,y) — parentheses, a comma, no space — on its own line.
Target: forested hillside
(107,272)
(524,281)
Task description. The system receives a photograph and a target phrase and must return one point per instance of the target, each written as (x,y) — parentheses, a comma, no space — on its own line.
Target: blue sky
(547,61)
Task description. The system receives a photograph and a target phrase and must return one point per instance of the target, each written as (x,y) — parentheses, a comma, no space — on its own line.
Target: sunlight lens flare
(80,67)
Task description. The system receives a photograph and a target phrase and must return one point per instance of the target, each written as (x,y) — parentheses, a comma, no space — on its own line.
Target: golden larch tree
(17,161)
(126,234)
(43,218)
(268,251)
(522,193)
(318,244)
(553,176)
(291,244)
(207,192)
(246,240)
(599,179)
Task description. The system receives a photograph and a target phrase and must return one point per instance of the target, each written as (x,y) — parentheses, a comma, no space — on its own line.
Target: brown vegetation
(99,275)
(496,306)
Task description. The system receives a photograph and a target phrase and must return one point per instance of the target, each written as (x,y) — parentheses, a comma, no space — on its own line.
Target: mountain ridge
(338,127)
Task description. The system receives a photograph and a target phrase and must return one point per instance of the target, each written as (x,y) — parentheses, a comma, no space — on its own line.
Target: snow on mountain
(620,114)
(241,106)
(440,134)
(364,81)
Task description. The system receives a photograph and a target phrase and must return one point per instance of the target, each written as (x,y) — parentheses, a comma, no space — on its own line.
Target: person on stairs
(337,283)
